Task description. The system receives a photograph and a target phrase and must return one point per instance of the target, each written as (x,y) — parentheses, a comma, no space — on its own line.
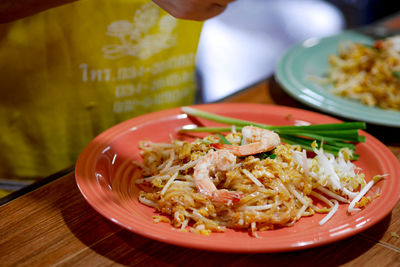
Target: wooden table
(54,225)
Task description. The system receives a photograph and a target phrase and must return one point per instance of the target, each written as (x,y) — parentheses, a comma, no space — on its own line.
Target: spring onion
(333,136)
(223,139)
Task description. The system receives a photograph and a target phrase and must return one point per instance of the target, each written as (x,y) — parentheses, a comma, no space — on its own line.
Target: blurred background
(242,46)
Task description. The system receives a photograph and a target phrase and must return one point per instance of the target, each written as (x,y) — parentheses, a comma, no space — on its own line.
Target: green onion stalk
(332,136)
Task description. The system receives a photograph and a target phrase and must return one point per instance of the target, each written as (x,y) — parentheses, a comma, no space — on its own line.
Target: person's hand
(193,9)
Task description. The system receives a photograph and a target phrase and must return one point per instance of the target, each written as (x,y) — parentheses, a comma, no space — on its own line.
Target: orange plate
(104,175)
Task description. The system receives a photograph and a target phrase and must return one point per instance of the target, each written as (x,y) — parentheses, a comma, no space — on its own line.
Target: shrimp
(221,160)
(255,140)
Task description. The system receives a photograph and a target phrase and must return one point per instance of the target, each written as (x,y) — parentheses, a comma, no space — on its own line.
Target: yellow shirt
(69,73)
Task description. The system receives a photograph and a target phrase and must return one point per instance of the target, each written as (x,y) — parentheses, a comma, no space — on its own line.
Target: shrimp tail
(223,146)
(241,151)
(226,196)
(236,150)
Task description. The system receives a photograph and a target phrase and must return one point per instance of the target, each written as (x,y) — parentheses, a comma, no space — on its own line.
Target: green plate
(310,58)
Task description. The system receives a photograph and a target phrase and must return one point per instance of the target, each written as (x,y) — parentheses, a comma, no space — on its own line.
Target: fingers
(193,9)
(212,11)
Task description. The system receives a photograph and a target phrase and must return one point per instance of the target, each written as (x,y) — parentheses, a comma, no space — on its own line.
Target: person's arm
(11,10)
(193,9)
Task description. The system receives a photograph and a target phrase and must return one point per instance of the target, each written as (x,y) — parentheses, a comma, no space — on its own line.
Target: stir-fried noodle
(369,74)
(205,187)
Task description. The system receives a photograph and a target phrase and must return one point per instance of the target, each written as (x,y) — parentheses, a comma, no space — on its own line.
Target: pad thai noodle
(369,74)
(246,180)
